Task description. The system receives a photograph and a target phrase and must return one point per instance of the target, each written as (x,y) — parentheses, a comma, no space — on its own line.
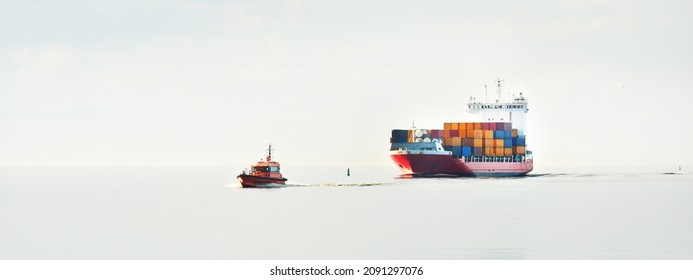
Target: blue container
(399,134)
(520,141)
(399,139)
(447,148)
(466,151)
(499,134)
(456,150)
(508,143)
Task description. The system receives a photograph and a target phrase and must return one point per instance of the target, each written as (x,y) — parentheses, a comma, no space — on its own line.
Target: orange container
(469,126)
(454,126)
(489,151)
(488,134)
(500,151)
(478,143)
(470,133)
(478,133)
(508,152)
(477,125)
(446,133)
(514,132)
(463,133)
(446,126)
(489,143)
(519,150)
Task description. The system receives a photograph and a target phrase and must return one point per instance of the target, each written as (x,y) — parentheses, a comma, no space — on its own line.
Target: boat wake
(550,175)
(337,185)
(277,186)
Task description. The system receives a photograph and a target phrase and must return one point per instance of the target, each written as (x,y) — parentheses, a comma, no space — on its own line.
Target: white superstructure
(513,110)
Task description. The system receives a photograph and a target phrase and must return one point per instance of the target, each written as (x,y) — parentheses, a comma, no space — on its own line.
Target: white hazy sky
(212,82)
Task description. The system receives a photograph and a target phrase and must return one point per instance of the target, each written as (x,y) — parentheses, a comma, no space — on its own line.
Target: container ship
(496,146)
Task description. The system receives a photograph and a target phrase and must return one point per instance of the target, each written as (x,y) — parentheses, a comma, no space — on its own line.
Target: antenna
(413,135)
(486,92)
(499,87)
(269,153)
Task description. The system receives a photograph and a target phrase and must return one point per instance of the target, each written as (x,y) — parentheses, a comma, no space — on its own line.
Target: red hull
(250,181)
(441,164)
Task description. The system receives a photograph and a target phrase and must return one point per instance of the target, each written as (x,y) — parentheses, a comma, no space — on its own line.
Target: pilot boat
(263,174)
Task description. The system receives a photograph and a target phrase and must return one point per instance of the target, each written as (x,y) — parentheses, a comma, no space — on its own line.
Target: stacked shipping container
(469,139)
(483,139)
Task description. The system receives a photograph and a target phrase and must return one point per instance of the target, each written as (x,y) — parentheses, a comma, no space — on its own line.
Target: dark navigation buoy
(348,173)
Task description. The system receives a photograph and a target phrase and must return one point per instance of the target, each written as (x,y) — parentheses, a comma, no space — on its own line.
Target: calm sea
(202,213)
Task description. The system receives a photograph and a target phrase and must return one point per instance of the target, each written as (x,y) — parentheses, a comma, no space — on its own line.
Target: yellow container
(478,143)
(457,141)
(409,133)
(454,126)
(488,134)
(499,142)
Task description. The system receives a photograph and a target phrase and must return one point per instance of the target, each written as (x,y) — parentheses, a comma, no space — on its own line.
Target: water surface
(201,213)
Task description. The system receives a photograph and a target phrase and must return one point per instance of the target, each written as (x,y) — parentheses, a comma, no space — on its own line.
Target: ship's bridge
(513,110)
(518,104)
